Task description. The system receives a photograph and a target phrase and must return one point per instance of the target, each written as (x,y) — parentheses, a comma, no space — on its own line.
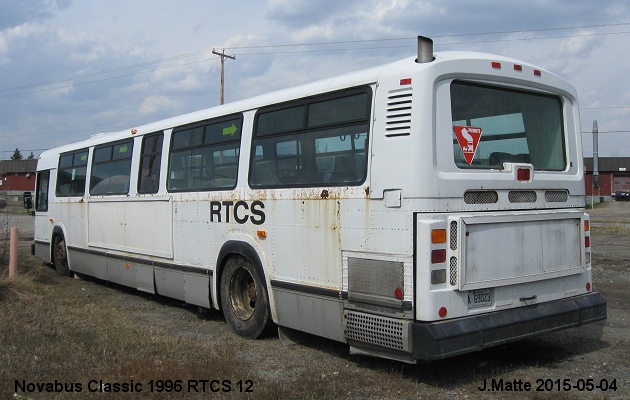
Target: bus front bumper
(438,340)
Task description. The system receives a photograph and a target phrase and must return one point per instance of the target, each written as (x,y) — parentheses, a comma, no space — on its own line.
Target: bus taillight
(438,236)
(523,174)
(438,256)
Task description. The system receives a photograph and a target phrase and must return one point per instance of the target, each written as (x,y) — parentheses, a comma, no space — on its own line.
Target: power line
(148,63)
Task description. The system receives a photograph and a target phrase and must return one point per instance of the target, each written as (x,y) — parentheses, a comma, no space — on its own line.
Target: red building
(614,175)
(17,176)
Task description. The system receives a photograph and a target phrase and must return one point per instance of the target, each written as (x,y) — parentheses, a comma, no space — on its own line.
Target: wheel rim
(243,294)
(60,252)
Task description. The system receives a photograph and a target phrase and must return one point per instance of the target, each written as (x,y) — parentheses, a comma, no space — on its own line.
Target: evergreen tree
(31,156)
(16,155)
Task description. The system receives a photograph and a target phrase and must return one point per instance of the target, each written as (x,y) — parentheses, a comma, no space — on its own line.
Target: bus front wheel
(244,298)
(60,256)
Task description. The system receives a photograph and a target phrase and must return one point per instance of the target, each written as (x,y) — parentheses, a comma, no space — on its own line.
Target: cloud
(14,13)
(153,104)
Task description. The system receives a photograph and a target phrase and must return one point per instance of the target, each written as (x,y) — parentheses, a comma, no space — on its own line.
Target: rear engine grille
(380,331)
(481,197)
(556,196)
(375,281)
(453,271)
(398,117)
(522,196)
(453,235)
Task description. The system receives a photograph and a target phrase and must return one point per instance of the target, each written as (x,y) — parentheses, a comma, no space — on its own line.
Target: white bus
(418,210)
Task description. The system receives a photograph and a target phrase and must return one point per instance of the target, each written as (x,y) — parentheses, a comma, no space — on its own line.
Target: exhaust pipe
(425,50)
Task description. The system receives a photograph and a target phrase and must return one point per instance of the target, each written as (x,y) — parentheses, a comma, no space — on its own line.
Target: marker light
(523,174)
(442,312)
(438,256)
(496,65)
(134,131)
(587,226)
(438,236)
(398,293)
(588,286)
(518,67)
(406,81)
(537,72)
(261,234)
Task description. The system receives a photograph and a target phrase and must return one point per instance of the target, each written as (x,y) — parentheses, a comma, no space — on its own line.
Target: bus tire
(60,256)
(244,298)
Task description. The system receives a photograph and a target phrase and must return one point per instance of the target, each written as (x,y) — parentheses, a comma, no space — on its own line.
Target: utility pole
(223,57)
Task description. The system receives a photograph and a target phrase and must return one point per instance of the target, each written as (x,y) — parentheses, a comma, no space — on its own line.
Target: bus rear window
(497,125)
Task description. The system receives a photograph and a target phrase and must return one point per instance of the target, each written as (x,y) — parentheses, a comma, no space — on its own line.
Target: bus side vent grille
(398,117)
(453,271)
(522,196)
(376,330)
(481,197)
(453,235)
(556,196)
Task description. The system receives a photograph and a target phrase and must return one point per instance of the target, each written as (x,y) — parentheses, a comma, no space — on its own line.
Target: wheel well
(234,248)
(56,232)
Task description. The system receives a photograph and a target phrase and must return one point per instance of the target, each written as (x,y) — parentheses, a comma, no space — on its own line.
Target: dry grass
(611,228)
(55,329)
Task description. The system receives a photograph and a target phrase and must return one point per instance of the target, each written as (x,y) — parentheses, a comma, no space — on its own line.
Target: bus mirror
(28,200)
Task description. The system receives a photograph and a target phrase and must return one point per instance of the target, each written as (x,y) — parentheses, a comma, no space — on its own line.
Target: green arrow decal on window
(230,130)
(123,149)
(84,157)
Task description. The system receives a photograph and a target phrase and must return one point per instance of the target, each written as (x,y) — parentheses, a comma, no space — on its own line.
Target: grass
(66,331)
(611,228)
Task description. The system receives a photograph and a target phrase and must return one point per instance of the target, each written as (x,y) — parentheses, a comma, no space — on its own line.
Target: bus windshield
(497,125)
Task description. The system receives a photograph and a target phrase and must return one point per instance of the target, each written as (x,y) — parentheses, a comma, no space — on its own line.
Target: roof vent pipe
(425,50)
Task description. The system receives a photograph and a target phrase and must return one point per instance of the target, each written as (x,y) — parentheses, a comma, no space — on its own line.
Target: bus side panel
(142,226)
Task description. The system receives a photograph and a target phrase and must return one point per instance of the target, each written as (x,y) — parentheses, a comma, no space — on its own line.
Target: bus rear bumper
(438,340)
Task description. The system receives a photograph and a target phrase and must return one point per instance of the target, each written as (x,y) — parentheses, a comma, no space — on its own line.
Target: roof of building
(609,164)
(18,166)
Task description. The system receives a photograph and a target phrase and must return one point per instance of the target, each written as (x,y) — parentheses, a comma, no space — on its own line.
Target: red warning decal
(468,138)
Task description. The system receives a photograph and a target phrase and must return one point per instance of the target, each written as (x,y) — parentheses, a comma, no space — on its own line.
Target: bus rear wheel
(60,256)
(244,299)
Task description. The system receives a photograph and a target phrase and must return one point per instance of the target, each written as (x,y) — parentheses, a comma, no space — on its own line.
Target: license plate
(479,298)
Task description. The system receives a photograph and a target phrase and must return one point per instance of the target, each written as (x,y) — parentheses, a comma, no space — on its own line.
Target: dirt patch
(76,331)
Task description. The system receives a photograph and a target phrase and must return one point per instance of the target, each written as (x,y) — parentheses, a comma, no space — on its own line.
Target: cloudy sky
(72,68)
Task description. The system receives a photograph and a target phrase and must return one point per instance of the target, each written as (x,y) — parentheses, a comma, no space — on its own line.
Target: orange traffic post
(13,252)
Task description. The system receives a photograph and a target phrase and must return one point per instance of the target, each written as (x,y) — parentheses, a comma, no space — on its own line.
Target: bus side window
(319,141)
(71,173)
(204,155)
(111,168)
(150,162)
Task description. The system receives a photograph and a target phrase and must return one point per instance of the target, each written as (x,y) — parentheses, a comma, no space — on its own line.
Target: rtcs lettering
(241,212)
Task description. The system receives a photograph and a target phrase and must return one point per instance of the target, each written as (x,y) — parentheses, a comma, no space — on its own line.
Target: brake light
(587,241)
(438,256)
(523,174)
